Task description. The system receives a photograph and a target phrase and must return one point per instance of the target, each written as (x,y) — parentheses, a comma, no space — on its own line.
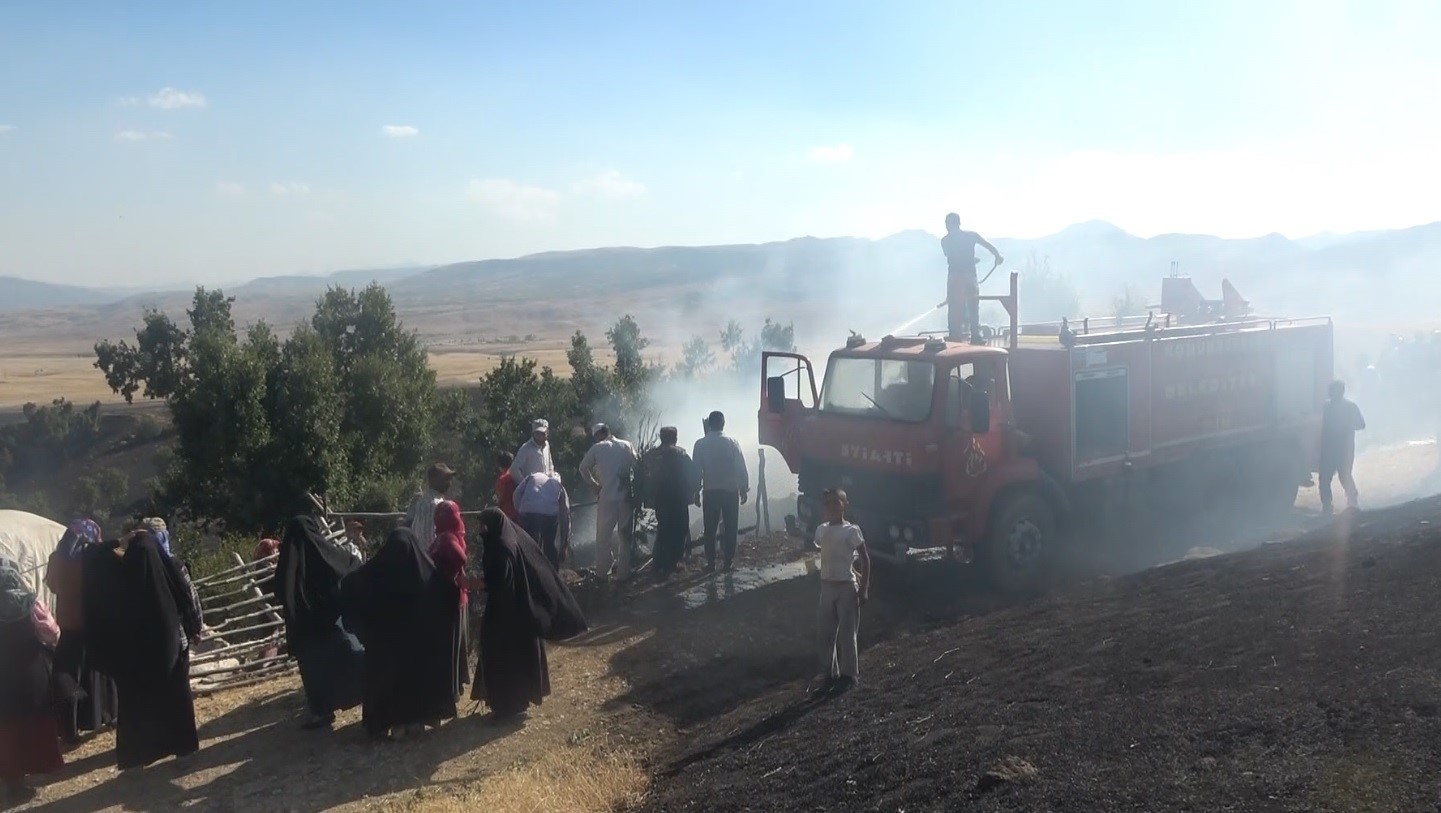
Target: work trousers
(840,623)
(963,301)
(543,529)
(719,507)
(1341,470)
(672,524)
(612,525)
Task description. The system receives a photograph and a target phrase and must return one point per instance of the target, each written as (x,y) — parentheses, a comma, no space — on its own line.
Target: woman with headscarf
(526,603)
(449,554)
(307,587)
(87,697)
(403,610)
(29,735)
(140,616)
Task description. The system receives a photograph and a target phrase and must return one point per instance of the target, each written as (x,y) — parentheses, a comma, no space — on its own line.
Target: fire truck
(998,450)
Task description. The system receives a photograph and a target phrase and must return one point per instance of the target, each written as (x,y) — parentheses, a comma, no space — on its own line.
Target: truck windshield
(881,388)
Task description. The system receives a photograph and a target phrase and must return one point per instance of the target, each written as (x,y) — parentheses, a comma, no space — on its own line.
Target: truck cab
(918,431)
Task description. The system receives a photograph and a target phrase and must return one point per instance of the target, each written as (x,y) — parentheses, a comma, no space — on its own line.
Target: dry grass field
(43,375)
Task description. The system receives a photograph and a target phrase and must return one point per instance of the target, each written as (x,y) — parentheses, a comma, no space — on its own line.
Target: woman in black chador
(140,616)
(526,604)
(404,612)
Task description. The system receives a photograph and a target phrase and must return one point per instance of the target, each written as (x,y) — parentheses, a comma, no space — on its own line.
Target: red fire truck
(997,450)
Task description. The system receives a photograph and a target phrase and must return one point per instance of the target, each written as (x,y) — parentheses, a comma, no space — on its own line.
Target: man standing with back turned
(1340,421)
(724,486)
(962,291)
(607,467)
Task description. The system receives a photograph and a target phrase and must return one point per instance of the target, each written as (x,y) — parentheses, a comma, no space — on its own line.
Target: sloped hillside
(1299,677)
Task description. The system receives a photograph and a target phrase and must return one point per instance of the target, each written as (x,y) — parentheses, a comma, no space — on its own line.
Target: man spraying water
(962,290)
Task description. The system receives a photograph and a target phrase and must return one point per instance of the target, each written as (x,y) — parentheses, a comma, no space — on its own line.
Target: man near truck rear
(962,291)
(1340,421)
(724,486)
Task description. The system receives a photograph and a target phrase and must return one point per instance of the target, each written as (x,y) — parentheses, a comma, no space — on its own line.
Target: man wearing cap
(534,455)
(607,467)
(420,516)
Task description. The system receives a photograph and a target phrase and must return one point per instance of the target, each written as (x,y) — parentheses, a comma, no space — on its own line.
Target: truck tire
(1020,543)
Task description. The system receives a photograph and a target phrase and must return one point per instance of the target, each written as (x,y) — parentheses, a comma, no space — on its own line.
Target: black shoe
(710,567)
(844,684)
(20,794)
(728,567)
(507,720)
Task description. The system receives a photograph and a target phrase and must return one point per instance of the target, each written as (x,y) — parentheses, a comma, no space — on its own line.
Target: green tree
(345,405)
(696,357)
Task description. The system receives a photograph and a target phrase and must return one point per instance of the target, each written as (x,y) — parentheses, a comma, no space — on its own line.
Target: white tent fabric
(29,540)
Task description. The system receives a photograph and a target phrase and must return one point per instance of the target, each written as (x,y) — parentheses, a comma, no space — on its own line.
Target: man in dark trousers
(1340,421)
(672,481)
(962,290)
(724,487)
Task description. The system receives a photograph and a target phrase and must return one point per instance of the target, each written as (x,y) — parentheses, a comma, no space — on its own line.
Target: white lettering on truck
(888,456)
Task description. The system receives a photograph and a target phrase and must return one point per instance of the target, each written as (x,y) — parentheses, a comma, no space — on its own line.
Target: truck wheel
(1020,543)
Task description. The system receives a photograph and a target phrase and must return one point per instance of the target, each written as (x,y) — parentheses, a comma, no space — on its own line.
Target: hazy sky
(153,143)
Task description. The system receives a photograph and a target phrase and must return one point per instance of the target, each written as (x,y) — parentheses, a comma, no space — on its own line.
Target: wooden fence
(244,641)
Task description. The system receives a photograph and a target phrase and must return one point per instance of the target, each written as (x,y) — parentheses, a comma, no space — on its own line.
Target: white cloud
(838,154)
(611,184)
(513,200)
(230,190)
(7,128)
(399,131)
(172,99)
(143,135)
(291,189)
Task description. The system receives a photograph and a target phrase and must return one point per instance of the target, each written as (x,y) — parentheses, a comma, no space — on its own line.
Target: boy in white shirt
(842,593)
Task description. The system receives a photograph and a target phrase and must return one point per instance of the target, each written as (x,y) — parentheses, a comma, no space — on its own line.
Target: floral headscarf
(83,532)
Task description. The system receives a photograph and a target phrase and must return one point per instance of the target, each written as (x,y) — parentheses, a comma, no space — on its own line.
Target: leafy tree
(345,405)
(696,358)
(1129,302)
(632,374)
(102,495)
(1045,294)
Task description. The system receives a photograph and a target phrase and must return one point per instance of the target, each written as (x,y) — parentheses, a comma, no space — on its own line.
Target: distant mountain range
(823,285)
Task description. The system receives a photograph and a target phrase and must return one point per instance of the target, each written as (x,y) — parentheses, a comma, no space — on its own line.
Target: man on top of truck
(962,290)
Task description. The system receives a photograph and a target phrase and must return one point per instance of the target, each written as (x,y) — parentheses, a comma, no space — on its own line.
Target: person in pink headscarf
(450,556)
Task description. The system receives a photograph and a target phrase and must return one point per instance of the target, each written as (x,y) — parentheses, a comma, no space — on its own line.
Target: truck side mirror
(776,394)
(980,412)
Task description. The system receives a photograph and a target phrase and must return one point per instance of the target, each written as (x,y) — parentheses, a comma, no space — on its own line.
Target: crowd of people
(115,652)
(387,628)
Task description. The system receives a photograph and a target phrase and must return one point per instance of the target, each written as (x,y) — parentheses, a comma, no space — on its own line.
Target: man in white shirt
(420,516)
(607,467)
(544,509)
(534,454)
(724,486)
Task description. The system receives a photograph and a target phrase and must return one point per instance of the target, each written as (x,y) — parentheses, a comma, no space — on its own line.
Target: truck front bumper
(889,537)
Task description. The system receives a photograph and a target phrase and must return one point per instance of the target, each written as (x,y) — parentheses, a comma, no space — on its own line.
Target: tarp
(29,540)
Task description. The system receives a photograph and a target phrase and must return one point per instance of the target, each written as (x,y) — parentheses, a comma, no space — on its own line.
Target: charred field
(1298,676)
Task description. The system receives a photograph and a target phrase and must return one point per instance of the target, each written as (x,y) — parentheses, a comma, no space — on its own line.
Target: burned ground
(1300,676)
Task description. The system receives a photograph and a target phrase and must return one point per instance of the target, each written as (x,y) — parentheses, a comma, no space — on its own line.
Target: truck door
(788,395)
(975,405)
